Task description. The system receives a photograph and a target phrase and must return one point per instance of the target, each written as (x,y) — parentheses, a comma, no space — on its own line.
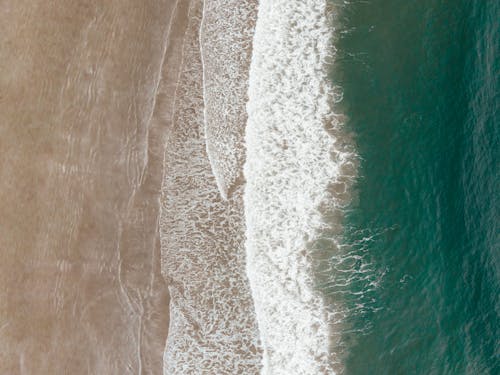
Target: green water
(421,92)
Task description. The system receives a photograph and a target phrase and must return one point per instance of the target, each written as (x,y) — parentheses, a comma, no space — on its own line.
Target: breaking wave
(298,172)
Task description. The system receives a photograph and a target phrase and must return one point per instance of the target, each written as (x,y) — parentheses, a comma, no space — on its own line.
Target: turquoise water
(421,92)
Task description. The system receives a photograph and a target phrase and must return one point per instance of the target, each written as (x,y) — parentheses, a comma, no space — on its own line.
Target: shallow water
(80,172)
(212,328)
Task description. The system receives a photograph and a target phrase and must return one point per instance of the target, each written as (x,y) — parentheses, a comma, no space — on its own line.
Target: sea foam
(294,172)
(212,328)
(226,41)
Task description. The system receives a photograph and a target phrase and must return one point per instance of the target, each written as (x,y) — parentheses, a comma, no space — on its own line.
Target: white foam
(225,39)
(292,162)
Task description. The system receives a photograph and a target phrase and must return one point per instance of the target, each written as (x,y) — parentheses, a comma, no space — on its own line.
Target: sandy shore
(90,94)
(80,172)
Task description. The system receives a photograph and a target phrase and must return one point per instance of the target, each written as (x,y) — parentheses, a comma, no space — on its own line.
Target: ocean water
(418,272)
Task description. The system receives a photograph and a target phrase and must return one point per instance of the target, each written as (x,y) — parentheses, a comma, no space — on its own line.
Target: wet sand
(80,172)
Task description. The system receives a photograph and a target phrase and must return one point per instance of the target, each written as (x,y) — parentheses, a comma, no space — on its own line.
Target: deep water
(421,94)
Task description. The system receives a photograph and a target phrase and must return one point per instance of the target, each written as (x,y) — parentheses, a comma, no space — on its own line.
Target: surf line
(295,170)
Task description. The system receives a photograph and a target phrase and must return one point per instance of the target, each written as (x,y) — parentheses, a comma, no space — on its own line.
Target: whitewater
(256,166)
(295,174)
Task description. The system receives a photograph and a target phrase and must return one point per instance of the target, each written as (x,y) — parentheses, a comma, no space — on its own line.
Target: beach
(268,187)
(80,176)
(102,125)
